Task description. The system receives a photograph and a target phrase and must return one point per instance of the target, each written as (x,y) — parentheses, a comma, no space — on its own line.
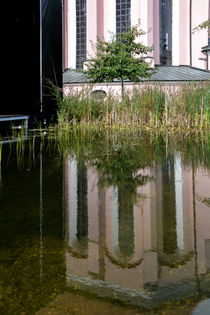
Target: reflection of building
(161,240)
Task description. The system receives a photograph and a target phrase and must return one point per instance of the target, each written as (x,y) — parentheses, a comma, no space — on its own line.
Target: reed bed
(113,152)
(91,145)
(150,107)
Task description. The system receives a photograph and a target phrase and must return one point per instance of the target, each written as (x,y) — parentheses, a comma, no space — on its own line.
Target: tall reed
(148,107)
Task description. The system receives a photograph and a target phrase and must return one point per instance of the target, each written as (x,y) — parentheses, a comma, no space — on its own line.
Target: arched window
(98,94)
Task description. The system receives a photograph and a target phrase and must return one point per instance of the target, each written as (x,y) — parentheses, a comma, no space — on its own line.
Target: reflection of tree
(116,153)
(118,162)
(118,159)
(120,166)
(197,150)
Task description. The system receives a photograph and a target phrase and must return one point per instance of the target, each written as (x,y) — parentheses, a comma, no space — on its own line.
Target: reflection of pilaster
(179,203)
(115,240)
(73,199)
(176,251)
(187,202)
(159,210)
(202,195)
(93,224)
(102,232)
(195,231)
(149,227)
(69,204)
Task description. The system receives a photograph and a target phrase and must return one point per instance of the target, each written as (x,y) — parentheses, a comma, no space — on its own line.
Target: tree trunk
(122,89)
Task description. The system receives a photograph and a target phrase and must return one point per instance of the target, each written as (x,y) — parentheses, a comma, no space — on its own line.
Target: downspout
(40,57)
(63,35)
(190,34)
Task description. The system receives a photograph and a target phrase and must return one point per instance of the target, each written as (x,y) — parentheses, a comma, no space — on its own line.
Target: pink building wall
(184,34)
(101,22)
(200,38)
(156,36)
(65,34)
(95,24)
(92,19)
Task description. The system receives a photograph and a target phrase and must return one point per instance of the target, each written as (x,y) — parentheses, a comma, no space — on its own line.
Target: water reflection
(159,239)
(135,217)
(32,264)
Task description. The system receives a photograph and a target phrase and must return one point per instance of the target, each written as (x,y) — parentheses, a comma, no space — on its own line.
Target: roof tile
(162,73)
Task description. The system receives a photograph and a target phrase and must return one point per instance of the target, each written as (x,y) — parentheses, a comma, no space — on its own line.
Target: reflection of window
(207,254)
(80,33)
(82,207)
(125,223)
(123,19)
(169,207)
(78,219)
(165,32)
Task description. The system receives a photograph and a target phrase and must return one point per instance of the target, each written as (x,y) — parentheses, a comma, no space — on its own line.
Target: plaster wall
(199,38)
(109,19)
(115,88)
(91,26)
(175,32)
(71,34)
(183,31)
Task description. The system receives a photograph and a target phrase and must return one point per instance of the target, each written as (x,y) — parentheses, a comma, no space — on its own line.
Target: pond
(105,223)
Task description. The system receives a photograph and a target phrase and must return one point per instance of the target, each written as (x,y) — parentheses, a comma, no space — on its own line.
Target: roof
(206,48)
(161,73)
(73,76)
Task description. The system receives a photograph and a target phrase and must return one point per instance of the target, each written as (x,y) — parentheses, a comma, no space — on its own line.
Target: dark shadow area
(21,56)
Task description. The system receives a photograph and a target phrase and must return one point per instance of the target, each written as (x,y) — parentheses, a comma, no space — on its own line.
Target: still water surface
(94,221)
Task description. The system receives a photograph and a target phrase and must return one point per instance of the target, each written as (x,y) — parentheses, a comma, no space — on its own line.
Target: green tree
(204,25)
(121,58)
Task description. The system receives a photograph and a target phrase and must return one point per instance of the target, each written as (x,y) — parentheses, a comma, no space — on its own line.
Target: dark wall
(52,53)
(21,54)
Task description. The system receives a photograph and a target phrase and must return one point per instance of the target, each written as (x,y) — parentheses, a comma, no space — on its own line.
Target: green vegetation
(122,58)
(141,108)
(204,25)
(206,201)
